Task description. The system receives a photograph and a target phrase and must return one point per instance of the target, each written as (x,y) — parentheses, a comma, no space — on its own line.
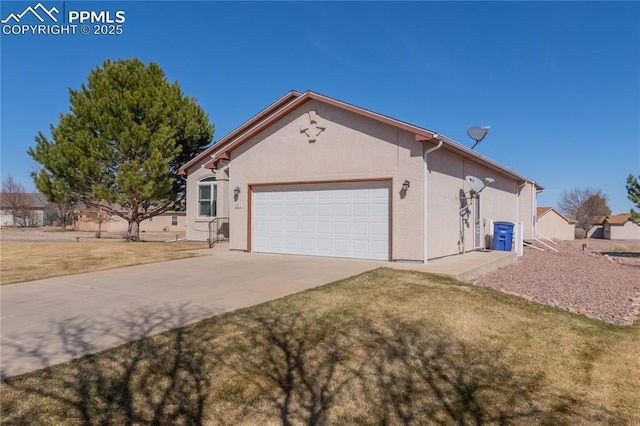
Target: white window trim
(211,182)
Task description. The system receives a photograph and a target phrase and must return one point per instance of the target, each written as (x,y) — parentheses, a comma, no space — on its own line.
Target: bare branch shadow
(271,365)
(297,369)
(331,372)
(164,379)
(420,376)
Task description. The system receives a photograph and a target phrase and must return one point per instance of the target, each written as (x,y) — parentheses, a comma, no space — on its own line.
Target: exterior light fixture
(405,185)
(236,191)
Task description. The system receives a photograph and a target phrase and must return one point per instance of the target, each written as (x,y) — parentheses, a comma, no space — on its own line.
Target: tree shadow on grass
(331,372)
(164,379)
(421,376)
(291,369)
(271,366)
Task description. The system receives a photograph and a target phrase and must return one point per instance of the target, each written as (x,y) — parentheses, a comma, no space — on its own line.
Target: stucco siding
(197,227)
(350,148)
(628,231)
(551,225)
(527,206)
(447,232)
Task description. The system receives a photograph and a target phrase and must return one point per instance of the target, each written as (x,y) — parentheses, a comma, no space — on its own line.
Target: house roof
(292,100)
(541,211)
(619,219)
(33,200)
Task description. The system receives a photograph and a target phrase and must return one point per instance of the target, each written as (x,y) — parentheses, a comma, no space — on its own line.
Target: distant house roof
(37,200)
(34,200)
(619,219)
(541,211)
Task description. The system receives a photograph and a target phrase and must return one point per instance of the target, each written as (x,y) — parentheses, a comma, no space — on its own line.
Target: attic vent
(314,128)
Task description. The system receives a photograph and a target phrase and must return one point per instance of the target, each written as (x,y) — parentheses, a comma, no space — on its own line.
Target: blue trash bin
(502,236)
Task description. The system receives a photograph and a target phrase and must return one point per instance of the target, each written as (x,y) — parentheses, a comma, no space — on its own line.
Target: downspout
(518,190)
(424,204)
(534,213)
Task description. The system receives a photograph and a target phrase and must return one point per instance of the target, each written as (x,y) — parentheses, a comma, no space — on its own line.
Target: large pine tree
(127,132)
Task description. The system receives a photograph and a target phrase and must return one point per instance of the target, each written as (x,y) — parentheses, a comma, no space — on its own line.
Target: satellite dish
(477,134)
(475,184)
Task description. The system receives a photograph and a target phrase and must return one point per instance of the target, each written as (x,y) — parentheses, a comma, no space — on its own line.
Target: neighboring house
(551,224)
(620,227)
(91,220)
(29,206)
(316,176)
(597,230)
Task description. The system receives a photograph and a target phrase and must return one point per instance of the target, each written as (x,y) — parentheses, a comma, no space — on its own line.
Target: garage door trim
(253,186)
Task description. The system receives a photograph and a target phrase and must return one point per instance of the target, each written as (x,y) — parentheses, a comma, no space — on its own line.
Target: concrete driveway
(54,320)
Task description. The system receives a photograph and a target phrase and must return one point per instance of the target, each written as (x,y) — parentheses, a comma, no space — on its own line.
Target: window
(174,220)
(207,197)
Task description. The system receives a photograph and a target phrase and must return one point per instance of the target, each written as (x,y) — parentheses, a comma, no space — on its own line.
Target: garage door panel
(325,245)
(292,227)
(325,210)
(380,194)
(360,228)
(307,227)
(276,226)
(292,210)
(342,228)
(292,244)
(380,210)
(361,210)
(361,247)
(379,230)
(342,246)
(308,244)
(380,248)
(342,210)
(344,220)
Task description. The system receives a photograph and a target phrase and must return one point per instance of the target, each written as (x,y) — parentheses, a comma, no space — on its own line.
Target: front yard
(32,260)
(385,347)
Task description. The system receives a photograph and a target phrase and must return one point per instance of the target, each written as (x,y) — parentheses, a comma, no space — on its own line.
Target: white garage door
(339,220)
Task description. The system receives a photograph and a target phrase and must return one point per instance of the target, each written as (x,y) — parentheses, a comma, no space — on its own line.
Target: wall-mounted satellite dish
(477,134)
(475,184)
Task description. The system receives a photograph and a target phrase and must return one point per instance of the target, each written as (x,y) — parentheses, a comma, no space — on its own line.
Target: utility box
(502,236)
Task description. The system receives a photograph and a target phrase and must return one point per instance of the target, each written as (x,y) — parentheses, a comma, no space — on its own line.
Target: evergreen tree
(127,132)
(633,192)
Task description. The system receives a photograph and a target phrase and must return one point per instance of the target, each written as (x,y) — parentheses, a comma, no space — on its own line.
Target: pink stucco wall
(353,148)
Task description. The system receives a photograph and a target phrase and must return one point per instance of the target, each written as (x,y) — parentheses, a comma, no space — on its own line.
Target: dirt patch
(601,282)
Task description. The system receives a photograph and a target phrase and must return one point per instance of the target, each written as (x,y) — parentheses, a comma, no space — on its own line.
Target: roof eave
(288,97)
(469,153)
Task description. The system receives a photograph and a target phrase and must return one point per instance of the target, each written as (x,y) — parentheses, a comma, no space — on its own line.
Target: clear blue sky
(559,82)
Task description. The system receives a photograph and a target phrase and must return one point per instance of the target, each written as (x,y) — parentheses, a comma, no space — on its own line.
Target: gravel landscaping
(602,282)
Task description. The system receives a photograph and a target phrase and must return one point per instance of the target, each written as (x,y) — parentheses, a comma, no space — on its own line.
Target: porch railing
(218,231)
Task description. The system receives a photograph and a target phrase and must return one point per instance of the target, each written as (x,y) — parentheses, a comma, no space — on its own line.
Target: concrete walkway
(49,321)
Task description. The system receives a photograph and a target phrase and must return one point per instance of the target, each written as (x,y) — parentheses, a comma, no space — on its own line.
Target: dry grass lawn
(26,261)
(385,347)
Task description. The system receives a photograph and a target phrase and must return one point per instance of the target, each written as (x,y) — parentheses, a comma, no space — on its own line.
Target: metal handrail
(218,230)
